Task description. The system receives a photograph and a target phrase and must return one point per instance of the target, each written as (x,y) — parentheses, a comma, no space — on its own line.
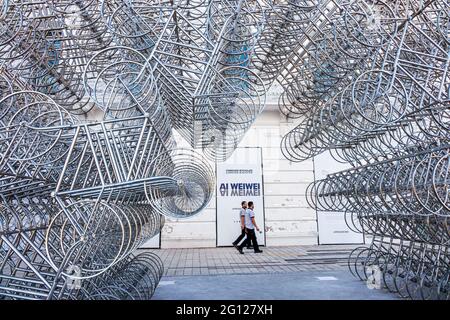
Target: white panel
(243,167)
(273,189)
(286,227)
(269,136)
(285,202)
(334,230)
(191,230)
(285,165)
(332,226)
(272,153)
(207,215)
(290,214)
(279,177)
(325,164)
(189,243)
(153,243)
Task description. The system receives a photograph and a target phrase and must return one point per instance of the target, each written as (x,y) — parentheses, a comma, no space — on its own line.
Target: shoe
(240,251)
(259,251)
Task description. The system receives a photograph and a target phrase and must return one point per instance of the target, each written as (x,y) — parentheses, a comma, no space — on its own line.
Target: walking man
(242,220)
(250,226)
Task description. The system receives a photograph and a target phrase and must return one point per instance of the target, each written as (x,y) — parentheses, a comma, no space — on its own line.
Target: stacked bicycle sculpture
(372,81)
(92,91)
(89,94)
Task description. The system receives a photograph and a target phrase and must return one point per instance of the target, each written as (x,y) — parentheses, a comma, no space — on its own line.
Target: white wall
(289,220)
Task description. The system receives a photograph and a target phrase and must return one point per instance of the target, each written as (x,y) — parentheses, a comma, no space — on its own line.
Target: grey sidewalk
(304,285)
(226,261)
(291,273)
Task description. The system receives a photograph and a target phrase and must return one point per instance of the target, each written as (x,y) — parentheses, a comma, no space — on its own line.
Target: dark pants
(251,237)
(241,236)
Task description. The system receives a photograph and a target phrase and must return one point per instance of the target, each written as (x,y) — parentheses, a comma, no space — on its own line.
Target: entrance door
(239,178)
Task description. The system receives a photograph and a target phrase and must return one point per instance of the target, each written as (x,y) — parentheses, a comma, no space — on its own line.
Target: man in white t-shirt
(250,226)
(242,220)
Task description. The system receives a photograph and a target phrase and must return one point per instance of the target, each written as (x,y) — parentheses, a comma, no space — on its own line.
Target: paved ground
(297,272)
(216,261)
(303,285)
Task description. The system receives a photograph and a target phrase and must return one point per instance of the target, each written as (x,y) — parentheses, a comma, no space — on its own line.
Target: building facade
(288,218)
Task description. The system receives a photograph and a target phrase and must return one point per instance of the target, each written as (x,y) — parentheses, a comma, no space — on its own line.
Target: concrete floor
(226,261)
(304,285)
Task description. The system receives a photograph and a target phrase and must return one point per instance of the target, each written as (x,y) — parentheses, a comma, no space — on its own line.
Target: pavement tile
(206,261)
